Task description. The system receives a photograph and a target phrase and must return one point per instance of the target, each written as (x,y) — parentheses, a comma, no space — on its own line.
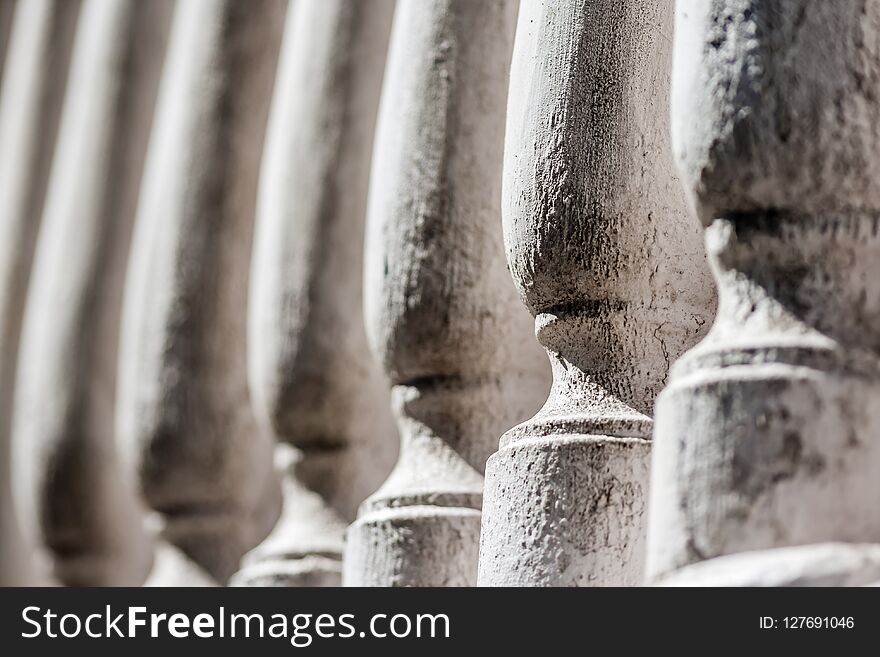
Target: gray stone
(606,258)
(441,312)
(184,413)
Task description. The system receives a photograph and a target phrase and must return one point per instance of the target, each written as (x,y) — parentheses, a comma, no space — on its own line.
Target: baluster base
(305,546)
(421,545)
(565,511)
(304,571)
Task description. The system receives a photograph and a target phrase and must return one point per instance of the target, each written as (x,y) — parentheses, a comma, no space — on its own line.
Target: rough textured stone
(606,258)
(774,105)
(69,479)
(34,80)
(314,383)
(441,312)
(766,435)
(184,412)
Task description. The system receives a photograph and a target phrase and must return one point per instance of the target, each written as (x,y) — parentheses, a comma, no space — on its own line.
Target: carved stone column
(606,258)
(184,413)
(767,433)
(314,383)
(88,517)
(441,312)
(30,105)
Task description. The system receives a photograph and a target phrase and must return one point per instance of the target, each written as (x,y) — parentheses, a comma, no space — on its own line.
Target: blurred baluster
(314,383)
(184,413)
(34,80)
(64,439)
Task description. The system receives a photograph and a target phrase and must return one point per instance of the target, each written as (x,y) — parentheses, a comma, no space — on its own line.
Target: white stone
(184,413)
(441,312)
(608,261)
(822,564)
(766,434)
(34,78)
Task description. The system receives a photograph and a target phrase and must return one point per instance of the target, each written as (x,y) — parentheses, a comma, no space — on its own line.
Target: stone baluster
(64,438)
(605,257)
(314,383)
(34,80)
(184,412)
(767,456)
(441,312)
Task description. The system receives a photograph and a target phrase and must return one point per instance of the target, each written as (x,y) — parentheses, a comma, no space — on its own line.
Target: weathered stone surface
(568,510)
(184,412)
(606,258)
(441,312)
(314,383)
(766,435)
(774,105)
(70,481)
(34,80)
